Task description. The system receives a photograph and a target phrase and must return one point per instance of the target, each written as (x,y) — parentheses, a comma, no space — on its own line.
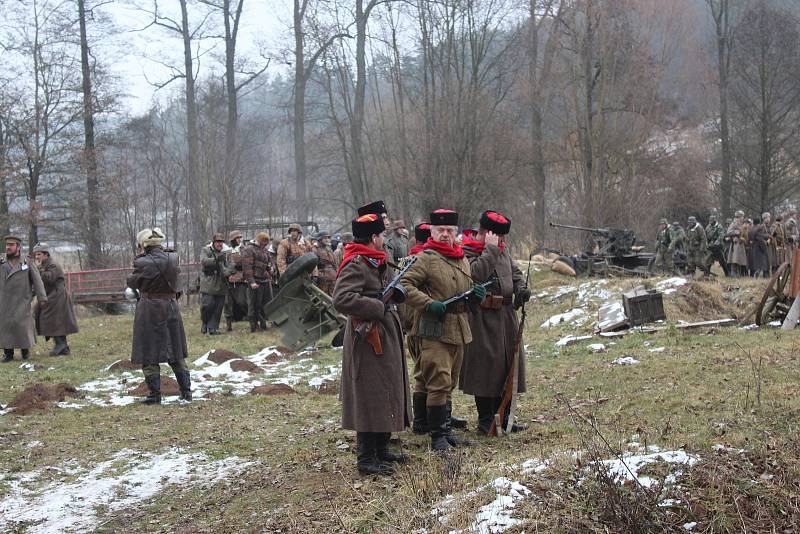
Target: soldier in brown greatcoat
(56,318)
(374,394)
(19,280)
(440,272)
(737,255)
(488,359)
(158,334)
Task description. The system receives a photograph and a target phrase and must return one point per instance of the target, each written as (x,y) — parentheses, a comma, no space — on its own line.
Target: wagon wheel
(773,304)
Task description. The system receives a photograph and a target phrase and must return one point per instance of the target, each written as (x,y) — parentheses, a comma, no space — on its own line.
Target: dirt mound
(169,388)
(41,397)
(124,365)
(245,365)
(329,387)
(702,301)
(221,356)
(272,389)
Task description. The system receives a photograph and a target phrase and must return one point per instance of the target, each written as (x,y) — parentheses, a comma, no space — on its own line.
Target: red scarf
(474,246)
(416,249)
(351,250)
(445,250)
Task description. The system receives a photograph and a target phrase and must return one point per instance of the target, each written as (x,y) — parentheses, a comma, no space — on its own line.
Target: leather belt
(158,296)
(458,307)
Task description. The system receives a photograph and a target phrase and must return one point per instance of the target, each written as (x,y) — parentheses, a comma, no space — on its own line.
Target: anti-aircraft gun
(615,252)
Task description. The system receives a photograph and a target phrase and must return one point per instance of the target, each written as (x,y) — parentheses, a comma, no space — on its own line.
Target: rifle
(510,389)
(367,330)
(466,295)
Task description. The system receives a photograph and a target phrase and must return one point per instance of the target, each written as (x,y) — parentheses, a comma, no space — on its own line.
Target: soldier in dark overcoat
(488,359)
(55,318)
(158,334)
(19,281)
(375,392)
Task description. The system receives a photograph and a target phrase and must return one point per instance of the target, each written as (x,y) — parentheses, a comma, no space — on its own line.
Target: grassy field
(725,396)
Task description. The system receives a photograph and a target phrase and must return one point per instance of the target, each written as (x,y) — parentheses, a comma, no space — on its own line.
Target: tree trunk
(231,127)
(721,14)
(4,227)
(198,215)
(358,179)
(299,119)
(93,233)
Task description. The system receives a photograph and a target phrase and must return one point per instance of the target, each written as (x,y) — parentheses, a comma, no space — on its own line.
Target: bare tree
(765,67)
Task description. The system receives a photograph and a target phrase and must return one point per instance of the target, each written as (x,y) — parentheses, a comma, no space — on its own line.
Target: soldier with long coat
(236,295)
(737,257)
(792,238)
(56,318)
(375,392)
(19,281)
(494,324)
(158,334)
(772,250)
(759,253)
(440,272)
(664,252)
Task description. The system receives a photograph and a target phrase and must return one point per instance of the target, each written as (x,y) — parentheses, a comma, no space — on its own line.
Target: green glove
(479,291)
(436,307)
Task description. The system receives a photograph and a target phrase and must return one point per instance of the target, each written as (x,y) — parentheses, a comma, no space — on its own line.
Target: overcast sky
(144,55)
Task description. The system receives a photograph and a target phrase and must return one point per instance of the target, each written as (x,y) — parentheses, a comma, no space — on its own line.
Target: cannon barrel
(582,228)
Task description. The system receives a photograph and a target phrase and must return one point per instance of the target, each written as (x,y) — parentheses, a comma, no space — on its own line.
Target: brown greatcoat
(738,251)
(56,317)
(488,358)
(435,277)
(158,335)
(17,286)
(375,395)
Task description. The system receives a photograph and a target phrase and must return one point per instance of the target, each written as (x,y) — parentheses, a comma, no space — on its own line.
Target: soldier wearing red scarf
(440,272)
(494,324)
(375,392)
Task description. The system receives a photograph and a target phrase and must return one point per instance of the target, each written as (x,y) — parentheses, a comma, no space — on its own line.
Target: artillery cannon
(614,252)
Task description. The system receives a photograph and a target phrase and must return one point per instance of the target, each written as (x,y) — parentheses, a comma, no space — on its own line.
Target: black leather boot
(437,426)
(228,325)
(204,328)
(383,452)
(367,459)
(185,384)
(262,324)
(253,327)
(8,355)
(420,425)
(455,422)
(485,406)
(60,347)
(451,438)
(154,385)
(26,353)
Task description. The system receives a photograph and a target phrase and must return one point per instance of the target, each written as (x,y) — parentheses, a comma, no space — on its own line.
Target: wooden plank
(717,322)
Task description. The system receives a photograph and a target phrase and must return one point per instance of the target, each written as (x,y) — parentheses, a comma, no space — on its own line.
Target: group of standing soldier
(745,247)
(458,313)
(53,317)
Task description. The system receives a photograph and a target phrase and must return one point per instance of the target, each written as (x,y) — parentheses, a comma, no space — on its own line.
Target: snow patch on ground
(627,468)
(575,316)
(569,340)
(596,347)
(128,478)
(670,285)
(496,516)
(211,378)
(625,360)
(658,349)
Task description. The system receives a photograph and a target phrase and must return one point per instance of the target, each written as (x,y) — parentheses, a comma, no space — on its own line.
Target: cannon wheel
(773,302)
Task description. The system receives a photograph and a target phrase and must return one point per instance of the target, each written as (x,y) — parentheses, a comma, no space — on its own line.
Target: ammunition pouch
(431,326)
(494,302)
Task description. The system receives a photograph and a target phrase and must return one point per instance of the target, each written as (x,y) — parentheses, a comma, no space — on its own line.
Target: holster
(431,326)
(373,335)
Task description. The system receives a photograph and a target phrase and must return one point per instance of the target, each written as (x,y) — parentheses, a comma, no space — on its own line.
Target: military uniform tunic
(436,277)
